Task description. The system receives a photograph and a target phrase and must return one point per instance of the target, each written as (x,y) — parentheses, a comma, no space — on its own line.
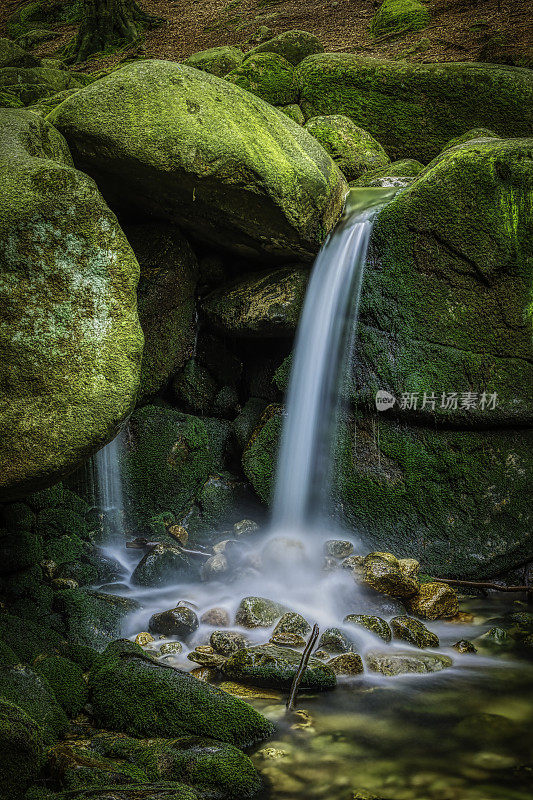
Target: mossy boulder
(294,623)
(258,612)
(92,618)
(373,624)
(267,75)
(165,301)
(396,100)
(395,662)
(383,572)
(398,173)
(28,639)
(130,693)
(179,621)
(77,767)
(294,112)
(22,750)
(66,680)
(265,186)
(259,458)
(270,665)
(30,84)
(353,149)
(161,565)
(395,17)
(216,60)
(45,105)
(346,664)
(434,600)
(264,304)
(293,45)
(473,134)
(12,55)
(68,310)
(21,685)
(413,631)
(195,387)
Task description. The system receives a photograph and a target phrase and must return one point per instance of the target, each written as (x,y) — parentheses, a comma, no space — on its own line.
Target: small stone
(434,601)
(206,657)
(347,664)
(373,624)
(49,568)
(382,572)
(179,621)
(214,567)
(409,567)
(462,618)
(354,563)
(64,583)
(171,648)
(217,617)
(258,612)
(282,552)
(413,631)
(288,640)
(249,692)
(204,674)
(272,753)
(179,533)
(291,622)
(334,641)
(144,638)
(338,548)
(395,662)
(322,655)
(220,547)
(464,646)
(246,527)
(268,665)
(162,565)
(227,642)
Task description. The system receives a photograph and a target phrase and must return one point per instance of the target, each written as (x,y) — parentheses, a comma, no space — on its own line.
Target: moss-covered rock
(346,664)
(216,60)
(293,45)
(77,767)
(291,622)
(24,687)
(434,601)
(294,112)
(373,624)
(258,612)
(18,551)
(195,388)
(162,565)
(12,55)
(247,420)
(68,309)
(45,105)
(334,641)
(30,84)
(264,186)
(179,621)
(130,693)
(395,17)
(28,639)
(259,458)
(413,631)
(353,149)
(165,300)
(167,460)
(21,749)
(396,100)
(383,572)
(394,662)
(269,665)
(92,618)
(474,134)
(66,680)
(398,173)
(267,75)
(263,304)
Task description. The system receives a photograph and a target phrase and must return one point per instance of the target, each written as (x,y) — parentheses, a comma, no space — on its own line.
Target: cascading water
(109,483)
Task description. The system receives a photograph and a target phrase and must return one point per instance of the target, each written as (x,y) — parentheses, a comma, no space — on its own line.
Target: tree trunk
(107,24)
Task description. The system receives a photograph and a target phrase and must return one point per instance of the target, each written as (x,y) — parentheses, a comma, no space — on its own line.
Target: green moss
(405,168)
(26,638)
(469,136)
(92,618)
(195,388)
(7,656)
(21,685)
(295,113)
(130,694)
(66,679)
(353,149)
(216,60)
(79,767)
(21,750)
(259,458)
(26,593)
(269,665)
(395,17)
(17,517)
(267,75)
(18,551)
(396,100)
(30,84)
(293,46)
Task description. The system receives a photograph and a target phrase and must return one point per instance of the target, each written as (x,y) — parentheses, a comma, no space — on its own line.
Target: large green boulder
(208,156)
(293,45)
(91,618)
(270,665)
(264,304)
(267,75)
(414,109)
(353,150)
(395,17)
(66,680)
(11,55)
(30,84)
(216,60)
(165,301)
(21,750)
(21,685)
(132,694)
(70,341)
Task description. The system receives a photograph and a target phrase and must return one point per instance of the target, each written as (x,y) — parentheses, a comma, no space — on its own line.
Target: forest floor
(460,30)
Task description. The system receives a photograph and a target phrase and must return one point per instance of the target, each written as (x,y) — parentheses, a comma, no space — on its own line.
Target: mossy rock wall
(414,109)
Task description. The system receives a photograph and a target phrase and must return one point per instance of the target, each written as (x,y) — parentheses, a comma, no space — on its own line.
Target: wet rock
(268,665)
(21,745)
(409,567)
(486,728)
(434,601)
(249,692)
(354,564)
(214,567)
(227,642)
(217,616)
(171,649)
(383,572)
(413,631)
(246,527)
(92,618)
(395,662)
(179,533)
(206,657)
(347,664)
(64,583)
(22,686)
(288,640)
(495,638)
(322,655)
(353,149)
(338,548)
(291,622)
(282,552)
(334,641)
(258,612)
(144,638)
(179,621)
(464,646)
(162,565)
(293,45)
(374,624)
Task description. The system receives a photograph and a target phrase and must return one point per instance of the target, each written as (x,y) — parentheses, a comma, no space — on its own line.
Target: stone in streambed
(179,621)
(217,616)
(464,646)
(434,601)
(171,649)
(258,612)
(214,567)
(162,565)
(264,187)
(206,657)
(291,622)
(347,664)
(474,134)
(353,149)
(216,60)
(413,631)
(287,640)
(92,618)
(395,662)
(373,624)
(334,641)
(338,548)
(227,642)
(293,45)
(383,572)
(268,665)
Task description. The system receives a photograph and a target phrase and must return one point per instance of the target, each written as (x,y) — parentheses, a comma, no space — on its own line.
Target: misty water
(460,734)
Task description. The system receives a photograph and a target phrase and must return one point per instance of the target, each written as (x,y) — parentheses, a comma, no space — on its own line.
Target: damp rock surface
(399,663)
(269,665)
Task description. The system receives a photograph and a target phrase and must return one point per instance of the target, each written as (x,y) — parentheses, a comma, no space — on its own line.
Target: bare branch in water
(291,702)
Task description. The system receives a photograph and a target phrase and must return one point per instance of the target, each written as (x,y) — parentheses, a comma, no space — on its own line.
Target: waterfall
(321,353)
(109,485)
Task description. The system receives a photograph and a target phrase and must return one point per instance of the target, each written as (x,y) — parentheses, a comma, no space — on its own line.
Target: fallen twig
(484,585)
(302,667)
